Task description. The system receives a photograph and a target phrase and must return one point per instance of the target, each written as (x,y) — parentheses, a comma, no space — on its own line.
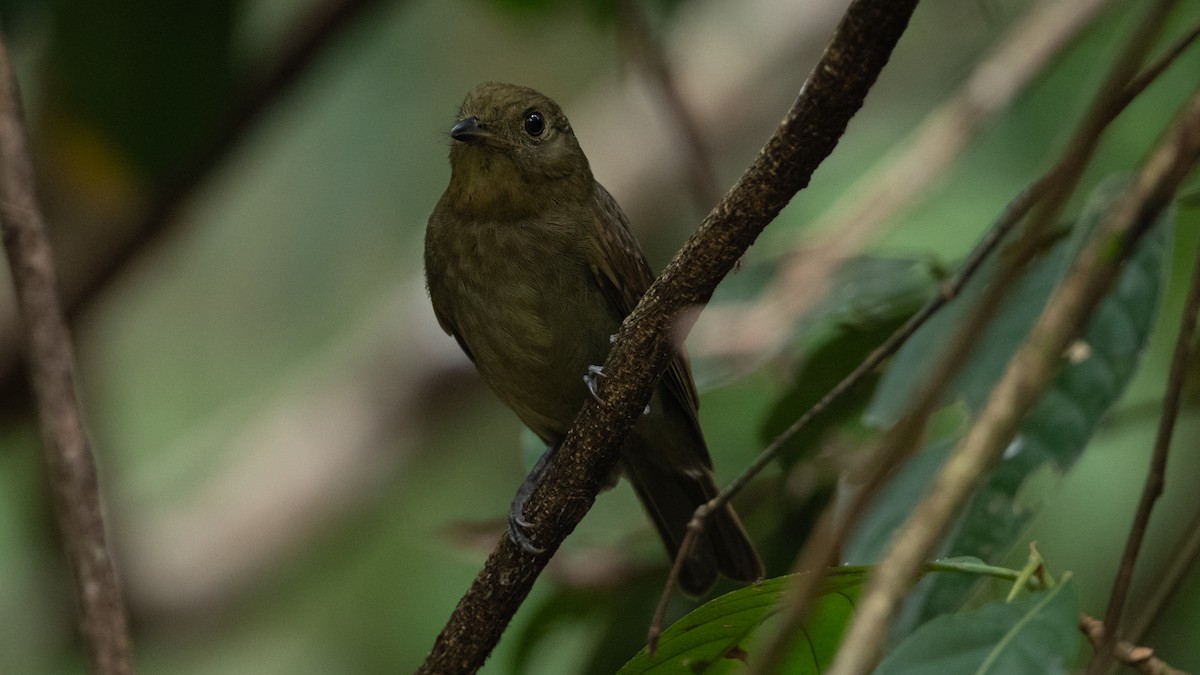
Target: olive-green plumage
(531,266)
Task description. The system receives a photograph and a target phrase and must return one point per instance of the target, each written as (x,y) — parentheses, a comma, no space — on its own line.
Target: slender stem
(823,548)
(1166,585)
(1058,182)
(903,176)
(1151,72)
(68,455)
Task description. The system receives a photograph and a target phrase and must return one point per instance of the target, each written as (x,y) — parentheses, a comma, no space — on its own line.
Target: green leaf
(723,634)
(1057,427)
(717,637)
(1035,634)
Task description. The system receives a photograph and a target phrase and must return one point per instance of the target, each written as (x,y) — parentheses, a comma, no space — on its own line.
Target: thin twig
(647,53)
(1155,478)
(835,90)
(71,466)
(1140,659)
(1111,97)
(1157,67)
(1028,374)
(1167,583)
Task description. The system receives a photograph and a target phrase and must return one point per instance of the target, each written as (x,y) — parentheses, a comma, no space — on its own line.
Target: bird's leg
(589,379)
(517,525)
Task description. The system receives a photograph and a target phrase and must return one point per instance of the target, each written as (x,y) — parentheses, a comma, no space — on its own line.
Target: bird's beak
(470,131)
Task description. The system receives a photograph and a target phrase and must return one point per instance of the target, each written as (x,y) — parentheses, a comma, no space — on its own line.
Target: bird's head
(512,145)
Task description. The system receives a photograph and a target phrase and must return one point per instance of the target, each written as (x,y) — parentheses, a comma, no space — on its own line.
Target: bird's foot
(590,380)
(518,526)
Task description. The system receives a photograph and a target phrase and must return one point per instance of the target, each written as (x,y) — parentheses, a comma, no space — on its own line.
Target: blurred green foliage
(155,79)
(218,367)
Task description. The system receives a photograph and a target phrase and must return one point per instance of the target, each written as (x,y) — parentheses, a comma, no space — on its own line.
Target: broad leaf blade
(718,636)
(1035,634)
(724,634)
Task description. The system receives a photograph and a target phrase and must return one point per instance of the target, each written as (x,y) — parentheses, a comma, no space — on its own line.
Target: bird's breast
(524,303)
(502,283)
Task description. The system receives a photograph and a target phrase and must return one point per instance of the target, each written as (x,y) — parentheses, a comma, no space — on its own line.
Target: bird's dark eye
(535,124)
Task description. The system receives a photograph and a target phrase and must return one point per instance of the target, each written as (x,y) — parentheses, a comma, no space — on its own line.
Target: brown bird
(531,266)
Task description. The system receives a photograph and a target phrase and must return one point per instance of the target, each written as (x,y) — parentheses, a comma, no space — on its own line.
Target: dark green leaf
(1035,634)
(722,635)
(716,637)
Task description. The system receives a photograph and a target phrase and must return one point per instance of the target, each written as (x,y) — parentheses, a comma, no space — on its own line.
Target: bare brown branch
(834,91)
(68,456)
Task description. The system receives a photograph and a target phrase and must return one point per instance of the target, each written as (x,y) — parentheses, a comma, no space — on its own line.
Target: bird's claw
(518,531)
(590,381)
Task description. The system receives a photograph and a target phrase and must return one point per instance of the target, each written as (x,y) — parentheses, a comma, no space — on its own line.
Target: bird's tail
(670,495)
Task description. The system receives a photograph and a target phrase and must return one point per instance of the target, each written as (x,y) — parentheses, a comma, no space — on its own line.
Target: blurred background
(302,473)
